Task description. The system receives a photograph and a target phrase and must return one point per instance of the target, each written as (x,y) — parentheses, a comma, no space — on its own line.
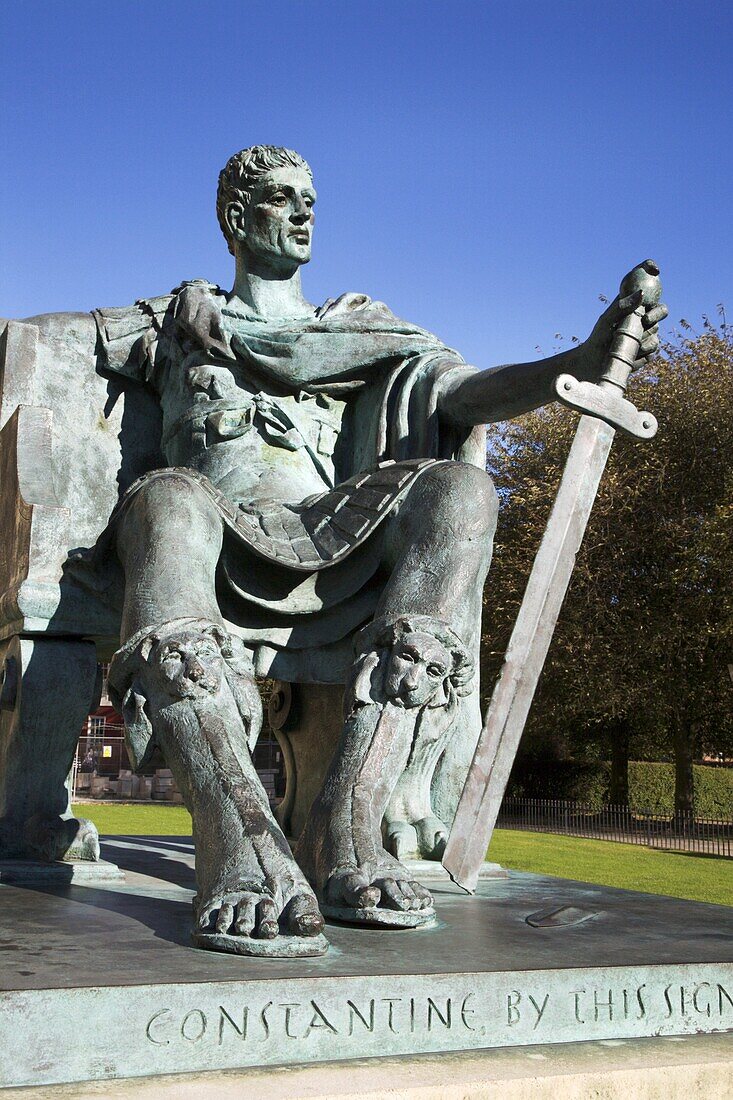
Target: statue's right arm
(469,396)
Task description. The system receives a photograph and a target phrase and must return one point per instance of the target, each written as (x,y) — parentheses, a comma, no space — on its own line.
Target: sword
(604,409)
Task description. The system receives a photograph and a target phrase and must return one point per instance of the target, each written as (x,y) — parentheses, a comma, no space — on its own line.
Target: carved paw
(423,839)
(432,836)
(400,840)
(50,838)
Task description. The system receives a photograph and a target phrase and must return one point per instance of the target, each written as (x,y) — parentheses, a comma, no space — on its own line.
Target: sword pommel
(644,278)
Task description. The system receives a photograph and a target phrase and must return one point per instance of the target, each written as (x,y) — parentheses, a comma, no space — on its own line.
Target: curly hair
(241,171)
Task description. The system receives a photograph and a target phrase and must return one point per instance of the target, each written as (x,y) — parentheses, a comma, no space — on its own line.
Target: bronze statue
(324,512)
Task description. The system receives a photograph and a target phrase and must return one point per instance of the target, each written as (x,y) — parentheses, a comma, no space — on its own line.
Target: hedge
(651,786)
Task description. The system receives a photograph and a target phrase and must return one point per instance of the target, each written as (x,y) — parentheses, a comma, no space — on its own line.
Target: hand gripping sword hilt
(606,399)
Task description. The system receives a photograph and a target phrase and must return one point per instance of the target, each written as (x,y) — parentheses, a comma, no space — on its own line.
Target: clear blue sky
(486,168)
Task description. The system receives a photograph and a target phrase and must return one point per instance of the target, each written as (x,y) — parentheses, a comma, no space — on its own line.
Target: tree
(639,659)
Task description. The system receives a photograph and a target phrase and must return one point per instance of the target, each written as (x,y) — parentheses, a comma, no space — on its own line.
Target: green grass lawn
(143,820)
(628,866)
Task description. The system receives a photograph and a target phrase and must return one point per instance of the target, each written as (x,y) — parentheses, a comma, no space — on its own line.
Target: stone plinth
(594,964)
(59,872)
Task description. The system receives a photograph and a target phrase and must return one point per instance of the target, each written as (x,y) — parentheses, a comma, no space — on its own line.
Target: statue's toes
(245,913)
(404,894)
(397,894)
(246,916)
(225,918)
(352,889)
(267,924)
(424,897)
(250,922)
(303,916)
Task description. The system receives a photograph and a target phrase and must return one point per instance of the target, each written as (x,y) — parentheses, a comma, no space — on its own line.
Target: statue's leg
(188,686)
(438,547)
(414,666)
(444,568)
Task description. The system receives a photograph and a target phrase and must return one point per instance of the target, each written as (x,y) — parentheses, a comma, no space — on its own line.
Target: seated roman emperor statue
(324,513)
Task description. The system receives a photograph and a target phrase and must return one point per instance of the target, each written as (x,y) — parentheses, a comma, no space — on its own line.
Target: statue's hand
(592,354)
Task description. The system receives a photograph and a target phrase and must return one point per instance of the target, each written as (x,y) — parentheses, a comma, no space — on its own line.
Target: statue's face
(278,223)
(418,666)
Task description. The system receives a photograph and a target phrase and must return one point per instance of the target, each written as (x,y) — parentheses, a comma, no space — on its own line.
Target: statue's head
(265,206)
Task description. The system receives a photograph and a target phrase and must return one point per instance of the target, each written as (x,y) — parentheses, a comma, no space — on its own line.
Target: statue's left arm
(472,397)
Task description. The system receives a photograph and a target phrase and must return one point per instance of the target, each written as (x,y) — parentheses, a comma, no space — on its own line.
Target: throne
(72,439)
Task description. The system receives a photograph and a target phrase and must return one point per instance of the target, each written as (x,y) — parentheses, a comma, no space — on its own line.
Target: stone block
(483,978)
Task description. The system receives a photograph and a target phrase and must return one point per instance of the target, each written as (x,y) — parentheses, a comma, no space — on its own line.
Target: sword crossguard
(605,404)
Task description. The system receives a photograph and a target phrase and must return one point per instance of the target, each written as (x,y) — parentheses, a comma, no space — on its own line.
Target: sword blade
(512,697)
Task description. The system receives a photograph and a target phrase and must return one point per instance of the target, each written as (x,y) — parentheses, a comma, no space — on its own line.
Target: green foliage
(562,779)
(646,631)
(651,785)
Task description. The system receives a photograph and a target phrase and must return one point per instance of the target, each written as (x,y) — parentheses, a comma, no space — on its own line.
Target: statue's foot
(273,917)
(251,922)
(384,895)
(50,837)
(356,879)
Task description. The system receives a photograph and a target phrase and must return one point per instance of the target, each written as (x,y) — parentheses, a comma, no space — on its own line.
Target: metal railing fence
(681,832)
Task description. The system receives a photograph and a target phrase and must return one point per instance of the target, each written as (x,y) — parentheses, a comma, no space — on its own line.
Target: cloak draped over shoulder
(306,434)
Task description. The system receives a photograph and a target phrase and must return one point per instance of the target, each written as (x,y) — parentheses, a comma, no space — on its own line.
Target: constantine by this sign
(444,1013)
(199,1026)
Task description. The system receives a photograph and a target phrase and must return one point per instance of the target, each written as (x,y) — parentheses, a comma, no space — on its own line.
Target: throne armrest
(34,525)
(81,438)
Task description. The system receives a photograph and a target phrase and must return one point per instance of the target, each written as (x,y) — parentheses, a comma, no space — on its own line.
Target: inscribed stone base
(102,983)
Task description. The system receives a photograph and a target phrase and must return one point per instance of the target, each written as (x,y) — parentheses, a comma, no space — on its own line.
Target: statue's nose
(301,213)
(195,671)
(412,678)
